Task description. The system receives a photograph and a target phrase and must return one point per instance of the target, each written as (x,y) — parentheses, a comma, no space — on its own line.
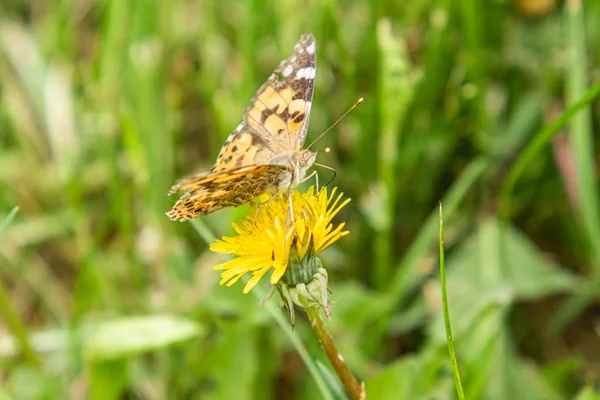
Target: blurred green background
(105,103)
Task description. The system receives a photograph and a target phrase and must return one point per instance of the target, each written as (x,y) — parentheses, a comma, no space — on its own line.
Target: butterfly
(265,152)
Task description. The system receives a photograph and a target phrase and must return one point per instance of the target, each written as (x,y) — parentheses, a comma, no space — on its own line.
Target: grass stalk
(447,325)
(407,275)
(580,301)
(580,129)
(395,90)
(541,139)
(581,138)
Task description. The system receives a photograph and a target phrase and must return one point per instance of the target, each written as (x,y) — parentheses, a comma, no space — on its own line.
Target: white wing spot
(311,48)
(287,70)
(239,127)
(305,73)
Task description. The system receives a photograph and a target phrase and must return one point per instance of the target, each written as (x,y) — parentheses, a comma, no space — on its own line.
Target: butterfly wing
(210,193)
(277,120)
(275,123)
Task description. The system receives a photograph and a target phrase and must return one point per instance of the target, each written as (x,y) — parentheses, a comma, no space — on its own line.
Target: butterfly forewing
(277,120)
(280,108)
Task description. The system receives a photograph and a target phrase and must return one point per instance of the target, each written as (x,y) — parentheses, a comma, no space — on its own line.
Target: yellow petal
(264,238)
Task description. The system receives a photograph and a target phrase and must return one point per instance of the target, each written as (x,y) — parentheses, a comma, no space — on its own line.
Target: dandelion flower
(269,240)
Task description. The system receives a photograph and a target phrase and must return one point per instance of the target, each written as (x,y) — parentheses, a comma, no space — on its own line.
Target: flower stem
(354,389)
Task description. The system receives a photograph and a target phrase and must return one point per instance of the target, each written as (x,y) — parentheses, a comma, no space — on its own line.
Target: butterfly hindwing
(231,189)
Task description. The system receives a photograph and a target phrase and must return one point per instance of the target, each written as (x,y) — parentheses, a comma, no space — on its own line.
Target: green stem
(457,382)
(298,345)
(355,390)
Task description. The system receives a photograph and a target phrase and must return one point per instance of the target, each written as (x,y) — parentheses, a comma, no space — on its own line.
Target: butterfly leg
(314,173)
(262,204)
(291,209)
(289,193)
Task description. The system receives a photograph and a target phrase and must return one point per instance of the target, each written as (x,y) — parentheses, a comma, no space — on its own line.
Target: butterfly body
(299,161)
(264,153)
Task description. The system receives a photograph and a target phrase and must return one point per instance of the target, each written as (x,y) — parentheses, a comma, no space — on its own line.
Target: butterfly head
(303,160)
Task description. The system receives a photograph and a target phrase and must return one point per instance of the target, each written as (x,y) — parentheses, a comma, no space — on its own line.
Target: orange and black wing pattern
(210,193)
(276,123)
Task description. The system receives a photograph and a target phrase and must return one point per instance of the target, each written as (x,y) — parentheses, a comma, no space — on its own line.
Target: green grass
(493,111)
(447,324)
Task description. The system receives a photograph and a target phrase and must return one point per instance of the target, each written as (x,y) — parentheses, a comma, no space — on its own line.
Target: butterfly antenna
(336,122)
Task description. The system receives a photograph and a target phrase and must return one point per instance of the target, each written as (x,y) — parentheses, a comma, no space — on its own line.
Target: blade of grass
(8,219)
(22,70)
(472,16)
(208,236)
(408,275)
(110,80)
(535,146)
(447,325)
(10,316)
(580,130)
(541,139)
(396,85)
(148,78)
(581,138)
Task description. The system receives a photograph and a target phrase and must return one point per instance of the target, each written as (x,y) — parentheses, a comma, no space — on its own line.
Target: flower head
(269,237)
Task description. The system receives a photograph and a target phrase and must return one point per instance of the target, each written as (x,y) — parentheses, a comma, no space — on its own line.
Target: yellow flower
(264,241)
